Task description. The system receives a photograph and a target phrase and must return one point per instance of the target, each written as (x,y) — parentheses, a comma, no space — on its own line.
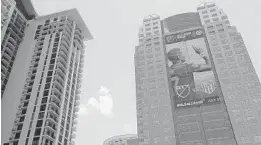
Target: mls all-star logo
(183,91)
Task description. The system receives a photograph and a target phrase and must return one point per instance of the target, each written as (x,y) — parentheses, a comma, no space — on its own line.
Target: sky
(108,104)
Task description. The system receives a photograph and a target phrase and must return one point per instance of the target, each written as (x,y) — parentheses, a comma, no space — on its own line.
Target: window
(210,27)
(46,93)
(148,29)
(214,15)
(215,19)
(211,32)
(226,47)
(39,123)
(35,141)
(204,12)
(224,17)
(41,115)
(42,107)
(17,135)
(212,10)
(44,100)
(207,21)
(205,16)
(221,30)
(219,25)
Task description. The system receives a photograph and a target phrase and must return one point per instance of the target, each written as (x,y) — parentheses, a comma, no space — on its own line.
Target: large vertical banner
(190,70)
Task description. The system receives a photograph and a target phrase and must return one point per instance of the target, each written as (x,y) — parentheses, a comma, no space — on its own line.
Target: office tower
(154,112)
(46,81)
(14,15)
(129,139)
(236,74)
(214,92)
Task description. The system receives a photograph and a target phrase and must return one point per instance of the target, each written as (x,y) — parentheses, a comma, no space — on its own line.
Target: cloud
(104,102)
(83,111)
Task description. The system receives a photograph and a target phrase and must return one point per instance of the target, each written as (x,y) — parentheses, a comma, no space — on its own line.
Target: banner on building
(191,73)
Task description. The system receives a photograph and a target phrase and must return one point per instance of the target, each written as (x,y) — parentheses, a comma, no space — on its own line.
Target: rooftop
(74,15)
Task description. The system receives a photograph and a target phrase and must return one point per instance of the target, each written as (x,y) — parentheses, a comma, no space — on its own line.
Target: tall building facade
(239,82)
(154,111)
(14,15)
(129,139)
(40,103)
(212,93)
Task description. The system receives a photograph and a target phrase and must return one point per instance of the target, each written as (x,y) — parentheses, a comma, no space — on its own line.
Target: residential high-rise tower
(41,99)
(14,15)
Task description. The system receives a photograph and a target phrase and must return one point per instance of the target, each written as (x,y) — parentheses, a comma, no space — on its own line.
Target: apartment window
(155,27)
(156,43)
(155,23)
(214,15)
(221,30)
(224,17)
(35,141)
(39,123)
(42,108)
(148,29)
(215,19)
(44,100)
(41,115)
(227,22)
(206,21)
(219,25)
(224,41)
(205,16)
(212,10)
(226,47)
(211,32)
(210,27)
(204,12)
(156,32)
(157,48)
(46,92)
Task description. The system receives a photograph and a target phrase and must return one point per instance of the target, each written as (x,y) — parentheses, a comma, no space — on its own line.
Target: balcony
(60,78)
(17,36)
(72,142)
(56,91)
(62,64)
(59,85)
(63,43)
(73,135)
(51,110)
(76,109)
(64,55)
(5,63)
(66,39)
(15,129)
(17,121)
(56,105)
(75,115)
(49,125)
(77,97)
(60,71)
(77,103)
(56,97)
(62,60)
(49,136)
